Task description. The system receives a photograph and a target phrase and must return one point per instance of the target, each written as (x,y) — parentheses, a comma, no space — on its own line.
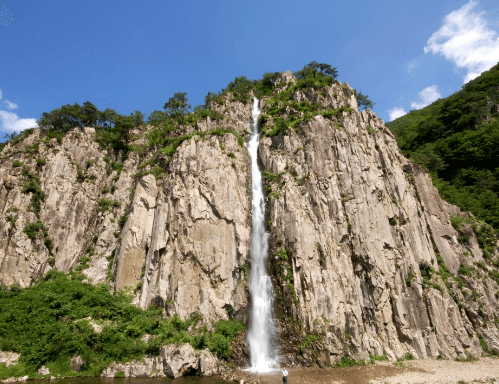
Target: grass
(374,358)
(406,357)
(347,362)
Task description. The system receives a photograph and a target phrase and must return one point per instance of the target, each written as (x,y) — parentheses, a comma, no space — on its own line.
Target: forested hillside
(457,140)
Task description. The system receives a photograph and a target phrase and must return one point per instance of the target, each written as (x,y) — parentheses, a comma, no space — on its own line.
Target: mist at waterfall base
(262,334)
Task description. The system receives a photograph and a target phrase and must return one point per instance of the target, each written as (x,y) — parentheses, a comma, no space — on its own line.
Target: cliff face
(363,255)
(181,241)
(354,228)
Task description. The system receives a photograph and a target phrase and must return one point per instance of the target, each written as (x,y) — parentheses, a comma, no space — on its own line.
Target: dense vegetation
(46,323)
(457,140)
(286,113)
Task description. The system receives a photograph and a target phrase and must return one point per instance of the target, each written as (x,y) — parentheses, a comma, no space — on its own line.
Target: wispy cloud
(466,39)
(7,103)
(10,105)
(396,112)
(426,97)
(411,67)
(10,122)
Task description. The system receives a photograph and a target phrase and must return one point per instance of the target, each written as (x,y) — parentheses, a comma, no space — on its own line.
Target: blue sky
(130,55)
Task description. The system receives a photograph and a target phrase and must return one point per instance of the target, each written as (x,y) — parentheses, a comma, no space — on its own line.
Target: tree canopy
(457,140)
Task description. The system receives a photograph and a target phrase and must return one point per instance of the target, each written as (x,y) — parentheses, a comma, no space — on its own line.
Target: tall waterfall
(262,332)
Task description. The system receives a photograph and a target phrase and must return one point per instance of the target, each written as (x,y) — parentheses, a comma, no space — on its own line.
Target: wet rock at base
(149,367)
(208,364)
(174,361)
(179,360)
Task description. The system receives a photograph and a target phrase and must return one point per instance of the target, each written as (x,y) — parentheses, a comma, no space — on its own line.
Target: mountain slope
(457,140)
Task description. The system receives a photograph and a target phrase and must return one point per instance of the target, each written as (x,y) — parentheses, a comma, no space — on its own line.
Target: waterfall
(262,333)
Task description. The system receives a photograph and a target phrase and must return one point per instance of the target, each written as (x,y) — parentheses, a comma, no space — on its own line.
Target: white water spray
(262,333)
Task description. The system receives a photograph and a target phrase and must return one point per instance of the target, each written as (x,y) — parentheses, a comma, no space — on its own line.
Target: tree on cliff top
(177,106)
(315,69)
(363,101)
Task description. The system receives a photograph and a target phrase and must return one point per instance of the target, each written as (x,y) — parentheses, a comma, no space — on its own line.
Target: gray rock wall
(356,219)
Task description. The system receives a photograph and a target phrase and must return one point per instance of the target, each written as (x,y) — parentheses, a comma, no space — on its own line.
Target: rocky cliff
(364,257)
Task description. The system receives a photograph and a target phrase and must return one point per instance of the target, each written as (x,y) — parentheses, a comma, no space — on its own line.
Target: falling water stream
(262,332)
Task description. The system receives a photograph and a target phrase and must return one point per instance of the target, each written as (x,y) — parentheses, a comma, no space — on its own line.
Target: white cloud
(10,122)
(396,112)
(10,105)
(466,39)
(426,97)
(411,66)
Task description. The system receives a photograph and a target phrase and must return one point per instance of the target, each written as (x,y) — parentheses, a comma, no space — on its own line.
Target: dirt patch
(351,375)
(485,370)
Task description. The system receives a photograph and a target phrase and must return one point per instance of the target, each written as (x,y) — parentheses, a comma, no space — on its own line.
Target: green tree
(10,136)
(89,114)
(107,117)
(124,126)
(315,69)
(265,86)
(177,106)
(363,101)
(138,118)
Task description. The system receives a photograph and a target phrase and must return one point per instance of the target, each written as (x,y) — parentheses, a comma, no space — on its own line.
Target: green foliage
(407,356)
(108,204)
(282,254)
(17,163)
(469,358)
(363,102)
(427,272)
(347,362)
(31,184)
(240,89)
(177,106)
(374,358)
(45,324)
(457,140)
(410,277)
(308,342)
(269,176)
(286,113)
(41,162)
(482,342)
(37,229)
(122,220)
(315,70)
(244,269)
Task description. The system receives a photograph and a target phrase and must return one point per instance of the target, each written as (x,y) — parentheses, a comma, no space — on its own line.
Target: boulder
(179,360)
(147,367)
(9,358)
(77,363)
(43,370)
(208,364)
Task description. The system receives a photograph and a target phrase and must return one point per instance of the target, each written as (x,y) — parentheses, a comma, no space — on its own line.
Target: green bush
(108,204)
(44,323)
